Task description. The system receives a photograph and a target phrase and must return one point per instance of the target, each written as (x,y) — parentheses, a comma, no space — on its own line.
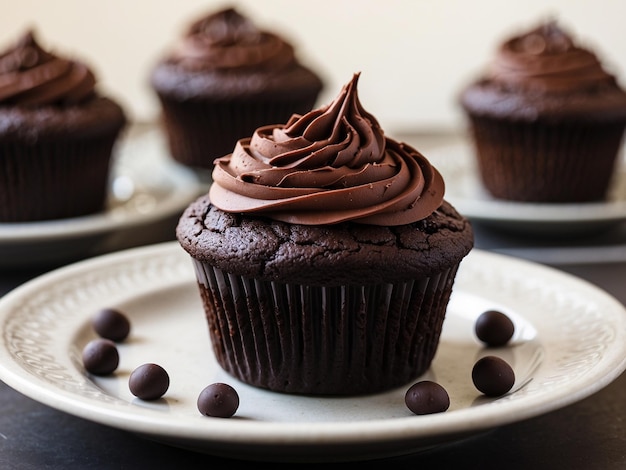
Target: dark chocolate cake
(56,136)
(546,120)
(224,79)
(325,255)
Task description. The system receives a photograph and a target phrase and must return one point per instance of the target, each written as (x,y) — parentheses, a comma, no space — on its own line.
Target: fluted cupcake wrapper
(198,131)
(546,162)
(323,340)
(46,180)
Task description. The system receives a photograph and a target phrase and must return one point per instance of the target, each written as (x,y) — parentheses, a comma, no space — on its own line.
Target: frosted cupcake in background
(224,78)
(325,255)
(546,120)
(57,135)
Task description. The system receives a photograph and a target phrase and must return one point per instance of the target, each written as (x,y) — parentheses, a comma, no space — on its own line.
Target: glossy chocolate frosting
(543,74)
(33,77)
(330,165)
(227,40)
(547,59)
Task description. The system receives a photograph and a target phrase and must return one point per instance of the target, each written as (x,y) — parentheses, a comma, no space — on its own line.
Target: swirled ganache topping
(33,77)
(547,59)
(227,40)
(327,166)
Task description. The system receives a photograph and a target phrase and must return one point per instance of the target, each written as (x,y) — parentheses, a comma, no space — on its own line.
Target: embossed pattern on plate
(570,341)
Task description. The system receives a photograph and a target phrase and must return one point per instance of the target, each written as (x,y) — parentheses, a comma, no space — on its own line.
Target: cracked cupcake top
(346,253)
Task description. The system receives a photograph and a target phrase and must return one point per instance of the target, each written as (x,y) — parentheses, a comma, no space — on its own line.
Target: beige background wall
(414,55)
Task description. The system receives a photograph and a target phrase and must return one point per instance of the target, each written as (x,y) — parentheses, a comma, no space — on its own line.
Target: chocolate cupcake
(546,120)
(224,79)
(325,255)
(57,136)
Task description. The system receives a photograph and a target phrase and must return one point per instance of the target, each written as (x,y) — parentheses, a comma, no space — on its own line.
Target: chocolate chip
(427,397)
(493,376)
(494,328)
(218,400)
(149,381)
(100,356)
(111,324)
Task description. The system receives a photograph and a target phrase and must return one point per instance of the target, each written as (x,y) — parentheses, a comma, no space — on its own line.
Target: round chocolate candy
(427,397)
(493,376)
(149,381)
(111,324)
(218,400)
(494,328)
(100,356)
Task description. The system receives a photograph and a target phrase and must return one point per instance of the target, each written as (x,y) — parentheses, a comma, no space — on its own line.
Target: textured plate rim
(234,432)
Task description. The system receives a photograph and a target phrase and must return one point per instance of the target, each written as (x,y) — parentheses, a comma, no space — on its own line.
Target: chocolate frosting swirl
(547,59)
(227,40)
(33,77)
(330,165)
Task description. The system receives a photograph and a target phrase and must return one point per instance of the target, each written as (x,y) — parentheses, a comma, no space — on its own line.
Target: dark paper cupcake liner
(324,340)
(198,132)
(546,162)
(54,179)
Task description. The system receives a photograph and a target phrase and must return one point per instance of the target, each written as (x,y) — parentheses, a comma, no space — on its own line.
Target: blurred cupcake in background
(57,135)
(546,119)
(222,80)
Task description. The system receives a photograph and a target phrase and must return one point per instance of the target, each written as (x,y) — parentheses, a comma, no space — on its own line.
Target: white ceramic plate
(570,342)
(465,191)
(147,188)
